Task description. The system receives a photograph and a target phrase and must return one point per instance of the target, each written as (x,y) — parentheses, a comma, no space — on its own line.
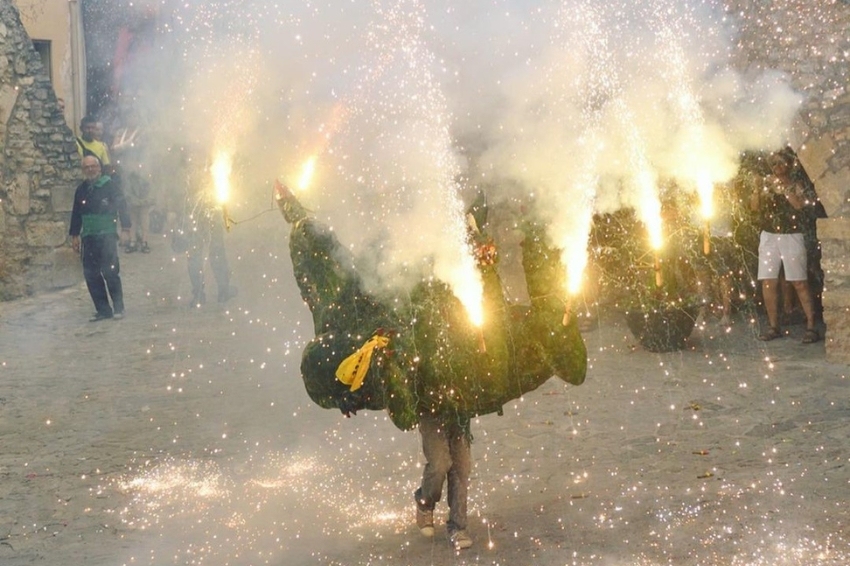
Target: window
(42,47)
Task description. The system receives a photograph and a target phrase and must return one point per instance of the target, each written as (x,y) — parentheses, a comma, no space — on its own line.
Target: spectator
(784,204)
(203,227)
(98,205)
(128,147)
(139,203)
(88,144)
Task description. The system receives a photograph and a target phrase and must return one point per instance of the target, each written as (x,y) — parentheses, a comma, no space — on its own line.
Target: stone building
(38,170)
(56,29)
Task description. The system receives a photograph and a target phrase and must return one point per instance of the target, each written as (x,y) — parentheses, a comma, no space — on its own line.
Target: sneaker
(145,248)
(118,315)
(101,316)
(460,540)
(130,248)
(425,521)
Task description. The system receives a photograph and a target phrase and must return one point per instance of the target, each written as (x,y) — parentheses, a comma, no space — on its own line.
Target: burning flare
(307,171)
(220,170)
(705,190)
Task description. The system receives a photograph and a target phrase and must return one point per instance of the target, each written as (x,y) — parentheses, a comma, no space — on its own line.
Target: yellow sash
(352,370)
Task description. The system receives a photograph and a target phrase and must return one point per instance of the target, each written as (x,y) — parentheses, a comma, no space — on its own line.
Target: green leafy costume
(434,361)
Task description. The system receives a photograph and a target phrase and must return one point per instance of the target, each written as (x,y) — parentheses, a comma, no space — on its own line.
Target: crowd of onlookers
(123,198)
(759,252)
(761,247)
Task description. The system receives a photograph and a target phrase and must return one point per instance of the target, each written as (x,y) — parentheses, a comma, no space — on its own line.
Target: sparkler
(482,346)
(656,241)
(659,278)
(220,170)
(327,130)
(307,172)
(705,189)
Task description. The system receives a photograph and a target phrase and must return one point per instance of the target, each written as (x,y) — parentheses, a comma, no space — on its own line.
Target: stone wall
(38,171)
(810,41)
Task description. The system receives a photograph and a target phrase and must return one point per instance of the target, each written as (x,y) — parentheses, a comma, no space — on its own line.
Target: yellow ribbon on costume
(352,370)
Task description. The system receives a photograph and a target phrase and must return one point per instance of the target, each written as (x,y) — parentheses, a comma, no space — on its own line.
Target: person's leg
(458,476)
(438,461)
(111,269)
(771,301)
(770,260)
(796,271)
(805,295)
(143,228)
(198,240)
(218,262)
(195,265)
(91,248)
(134,221)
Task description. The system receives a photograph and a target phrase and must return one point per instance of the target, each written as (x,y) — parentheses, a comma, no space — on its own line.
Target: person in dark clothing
(98,206)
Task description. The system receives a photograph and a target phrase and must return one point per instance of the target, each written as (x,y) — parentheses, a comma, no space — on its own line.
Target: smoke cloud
(409,106)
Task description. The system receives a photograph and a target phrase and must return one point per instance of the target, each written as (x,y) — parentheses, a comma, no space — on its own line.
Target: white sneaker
(460,540)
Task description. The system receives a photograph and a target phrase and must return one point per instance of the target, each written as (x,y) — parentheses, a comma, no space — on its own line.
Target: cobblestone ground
(184,436)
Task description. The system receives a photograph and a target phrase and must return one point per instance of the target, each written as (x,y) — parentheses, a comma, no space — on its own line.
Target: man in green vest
(98,206)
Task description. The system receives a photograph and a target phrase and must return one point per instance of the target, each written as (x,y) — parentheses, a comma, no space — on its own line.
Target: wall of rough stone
(38,171)
(810,41)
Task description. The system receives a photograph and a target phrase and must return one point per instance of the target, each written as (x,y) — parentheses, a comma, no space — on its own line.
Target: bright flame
(656,235)
(220,170)
(462,276)
(649,209)
(307,171)
(705,190)
(470,294)
(575,271)
(574,248)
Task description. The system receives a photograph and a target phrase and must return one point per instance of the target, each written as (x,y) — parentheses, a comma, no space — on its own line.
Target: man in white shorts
(783,203)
